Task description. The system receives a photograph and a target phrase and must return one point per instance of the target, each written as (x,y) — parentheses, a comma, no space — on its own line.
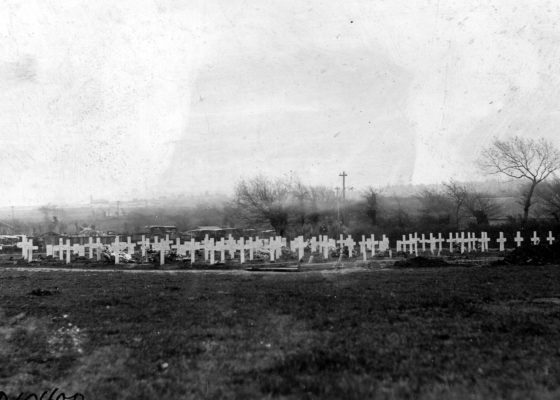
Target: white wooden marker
(535,239)
(518,239)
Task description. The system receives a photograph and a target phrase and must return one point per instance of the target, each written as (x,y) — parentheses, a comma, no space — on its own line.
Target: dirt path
(340,270)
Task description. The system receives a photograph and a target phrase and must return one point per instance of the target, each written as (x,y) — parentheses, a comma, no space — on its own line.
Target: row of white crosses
(273,247)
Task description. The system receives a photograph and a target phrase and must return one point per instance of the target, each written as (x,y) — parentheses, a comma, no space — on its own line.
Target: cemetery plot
(233,252)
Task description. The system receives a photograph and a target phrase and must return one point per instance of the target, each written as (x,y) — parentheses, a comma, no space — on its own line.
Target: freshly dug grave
(533,254)
(421,262)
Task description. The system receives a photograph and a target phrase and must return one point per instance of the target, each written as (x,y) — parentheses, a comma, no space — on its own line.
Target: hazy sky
(135,98)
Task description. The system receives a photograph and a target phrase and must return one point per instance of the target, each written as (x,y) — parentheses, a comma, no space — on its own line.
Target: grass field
(448,333)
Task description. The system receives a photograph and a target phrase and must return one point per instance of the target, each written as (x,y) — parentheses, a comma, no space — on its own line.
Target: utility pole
(344,175)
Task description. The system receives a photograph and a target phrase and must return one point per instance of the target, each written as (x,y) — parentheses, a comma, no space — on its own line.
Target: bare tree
(436,206)
(548,195)
(371,204)
(522,158)
(261,200)
(458,195)
(481,206)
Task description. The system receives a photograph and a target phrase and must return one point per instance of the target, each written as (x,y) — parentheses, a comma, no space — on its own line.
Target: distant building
(161,230)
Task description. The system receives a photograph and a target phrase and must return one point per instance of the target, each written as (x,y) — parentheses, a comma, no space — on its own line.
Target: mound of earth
(536,255)
(421,262)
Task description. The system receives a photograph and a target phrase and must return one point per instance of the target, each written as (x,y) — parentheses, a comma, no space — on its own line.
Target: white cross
(469,242)
(180,248)
(370,244)
(484,241)
(298,244)
(241,247)
(212,250)
(89,246)
(413,240)
(313,244)
(501,240)
(440,240)
(423,241)
(550,238)
(144,245)
(325,246)
(194,246)
(404,243)
(340,243)
(161,247)
(66,247)
(518,239)
(98,247)
(24,245)
(275,248)
(461,241)
(363,247)
(50,250)
(535,239)
(383,244)
(432,243)
(30,249)
(451,241)
(77,249)
(221,247)
(231,246)
(116,247)
(350,243)
(250,246)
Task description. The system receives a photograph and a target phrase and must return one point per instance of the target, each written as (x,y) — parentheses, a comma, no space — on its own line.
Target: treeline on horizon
(291,208)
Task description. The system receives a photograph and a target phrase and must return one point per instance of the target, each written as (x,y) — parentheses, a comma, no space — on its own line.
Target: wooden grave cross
(221,247)
(383,244)
(370,244)
(181,248)
(89,245)
(404,244)
(501,240)
(116,247)
(275,248)
(451,241)
(67,248)
(313,244)
(363,247)
(468,239)
(231,246)
(50,249)
(144,246)
(350,243)
(212,250)
(550,238)
(518,239)
(535,239)
(241,247)
(298,244)
(461,241)
(160,246)
(484,241)
(78,249)
(413,240)
(432,243)
(423,242)
(326,244)
(24,246)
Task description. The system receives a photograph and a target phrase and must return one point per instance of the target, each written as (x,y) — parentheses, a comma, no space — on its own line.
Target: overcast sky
(135,98)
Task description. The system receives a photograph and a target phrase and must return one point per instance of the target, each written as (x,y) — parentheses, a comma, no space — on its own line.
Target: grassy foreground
(449,333)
